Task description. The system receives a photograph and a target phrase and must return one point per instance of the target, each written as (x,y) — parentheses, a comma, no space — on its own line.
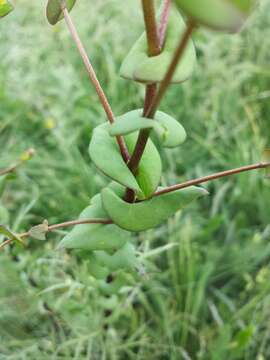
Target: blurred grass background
(206,294)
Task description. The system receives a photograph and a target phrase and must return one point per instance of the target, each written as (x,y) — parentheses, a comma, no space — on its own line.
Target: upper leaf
(104,152)
(54,10)
(150,213)
(227,15)
(95,236)
(140,67)
(5,8)
(170,132)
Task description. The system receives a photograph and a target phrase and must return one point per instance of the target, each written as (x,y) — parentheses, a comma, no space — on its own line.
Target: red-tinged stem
(72,223)
(151,27)
(92,75)
(212,177)
(151,89)
(171,70)
(60,226)
(163,22)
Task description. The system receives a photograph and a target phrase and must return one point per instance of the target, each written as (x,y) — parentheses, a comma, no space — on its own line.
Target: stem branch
(92,75)
(215,176)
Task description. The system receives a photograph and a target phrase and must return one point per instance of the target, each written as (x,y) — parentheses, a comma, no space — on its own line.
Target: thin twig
(212,177)
(71,223)
(151,27)
(163,22)
(5,243)
(92,75)
(9,169)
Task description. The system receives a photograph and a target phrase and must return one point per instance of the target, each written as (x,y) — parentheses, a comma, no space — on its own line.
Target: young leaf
(105,154)
(140,67)
(5,8)
(10,235)
(39,231)
(54,10)
(170,132)
(95,236)
(150,213)
(124,258)
(227,15)
(97,270)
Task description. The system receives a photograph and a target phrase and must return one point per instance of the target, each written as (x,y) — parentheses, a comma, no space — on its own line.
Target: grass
(206,292)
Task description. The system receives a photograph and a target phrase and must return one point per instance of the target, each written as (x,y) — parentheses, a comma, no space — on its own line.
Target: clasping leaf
(149,213)
(140,67)
(170,132)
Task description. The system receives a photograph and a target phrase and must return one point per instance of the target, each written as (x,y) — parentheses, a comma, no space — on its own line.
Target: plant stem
(5,243)
(9,169)
(28,154)
(72,223)
(155,44)
(169,75)
(150,113)
(151,27)
(215,176)
(163,22)
(92,75)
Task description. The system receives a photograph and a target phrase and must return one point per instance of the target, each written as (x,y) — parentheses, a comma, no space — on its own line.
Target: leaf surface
(226,15)
(54,11)
(95,236)
(140,67)
(170,132)
(105,154)
(149,213)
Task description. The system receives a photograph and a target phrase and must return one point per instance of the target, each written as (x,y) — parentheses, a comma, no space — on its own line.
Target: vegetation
(204,291)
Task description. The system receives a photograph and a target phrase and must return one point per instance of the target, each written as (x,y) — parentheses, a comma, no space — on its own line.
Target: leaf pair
(170,132)
(149,213)
(95,236)
(227,15)
(54,9)
(5,8)
(140,67)
(105,154)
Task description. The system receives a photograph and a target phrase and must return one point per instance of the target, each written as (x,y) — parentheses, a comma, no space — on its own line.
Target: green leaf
(170,132)
(5,8)
(120,280)
(124,258)
(140,67)
(105,154)
(39,231)
(97,270)
(54,11)
(150,213)
(10,235)
(227,15)
(95,236)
